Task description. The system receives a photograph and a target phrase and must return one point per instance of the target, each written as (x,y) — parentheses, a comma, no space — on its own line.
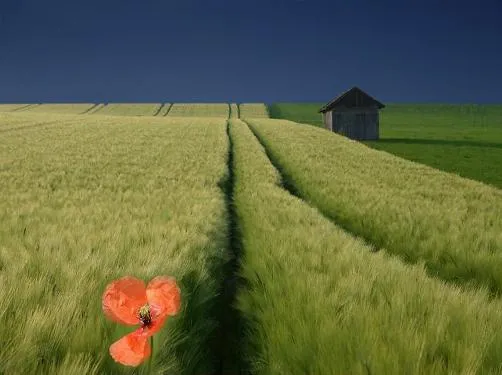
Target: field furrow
(199,110)
(93,200)
(95,108)
(165,110)
(253,110)
(318,301)
(60,108)
(10,121)
(13,107)
(129,109)
(421,214)
(160,109)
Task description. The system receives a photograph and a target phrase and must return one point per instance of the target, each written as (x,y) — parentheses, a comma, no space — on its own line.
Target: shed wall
(356,123)
(328,120)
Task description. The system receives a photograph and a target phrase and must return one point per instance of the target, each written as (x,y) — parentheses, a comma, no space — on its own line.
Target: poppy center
(144,315)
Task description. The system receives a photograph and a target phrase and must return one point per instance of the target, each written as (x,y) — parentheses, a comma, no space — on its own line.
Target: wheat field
(297,251)
(89,200)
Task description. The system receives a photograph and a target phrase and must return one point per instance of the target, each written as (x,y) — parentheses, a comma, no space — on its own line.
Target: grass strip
(95,108)
(421,214)
(130,109)
(253,110)
(92,201)
(13,107)
(234,110)
(74,108)
(15,121)
(200,110)
(319,302)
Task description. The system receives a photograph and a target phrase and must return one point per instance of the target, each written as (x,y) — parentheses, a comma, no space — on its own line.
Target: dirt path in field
(26,107)
(100,108)
(168,109)
(228,345)
(91,109)
(289,185)
(160,109)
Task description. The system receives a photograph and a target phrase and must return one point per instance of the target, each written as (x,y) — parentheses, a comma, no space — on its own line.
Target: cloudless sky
(254,50)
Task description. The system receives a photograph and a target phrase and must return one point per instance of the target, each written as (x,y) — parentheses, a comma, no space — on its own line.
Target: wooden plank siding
(328,120)
(354,123)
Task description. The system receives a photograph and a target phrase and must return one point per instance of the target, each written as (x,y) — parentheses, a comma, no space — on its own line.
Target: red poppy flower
(129,302)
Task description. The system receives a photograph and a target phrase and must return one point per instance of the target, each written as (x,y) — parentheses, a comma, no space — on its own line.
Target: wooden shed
(354,114)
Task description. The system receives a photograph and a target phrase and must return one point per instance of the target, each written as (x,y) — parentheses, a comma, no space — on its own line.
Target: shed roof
(355,97)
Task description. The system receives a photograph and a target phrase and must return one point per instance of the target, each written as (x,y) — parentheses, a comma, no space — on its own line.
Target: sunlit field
(13,107)
(200,110)
(234,110)
(253,110)
(130,109)
(61,108)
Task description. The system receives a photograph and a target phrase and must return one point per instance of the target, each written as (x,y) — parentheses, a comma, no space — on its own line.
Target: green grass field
(299,112)
(462,139)
(270,229)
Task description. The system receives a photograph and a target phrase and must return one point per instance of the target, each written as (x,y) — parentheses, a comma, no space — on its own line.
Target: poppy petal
(131,349)
(164,296)
(123,298)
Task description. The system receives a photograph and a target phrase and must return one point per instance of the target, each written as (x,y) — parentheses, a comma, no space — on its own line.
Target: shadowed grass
(452,224)
(93,200)
(320,302)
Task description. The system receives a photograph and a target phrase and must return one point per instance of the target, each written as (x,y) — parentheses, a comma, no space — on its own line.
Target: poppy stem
(150,365)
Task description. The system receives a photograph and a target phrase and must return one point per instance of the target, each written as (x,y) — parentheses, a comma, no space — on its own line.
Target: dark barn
(354,114)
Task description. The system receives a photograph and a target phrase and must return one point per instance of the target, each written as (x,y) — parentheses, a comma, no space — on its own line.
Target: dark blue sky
(255,50)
